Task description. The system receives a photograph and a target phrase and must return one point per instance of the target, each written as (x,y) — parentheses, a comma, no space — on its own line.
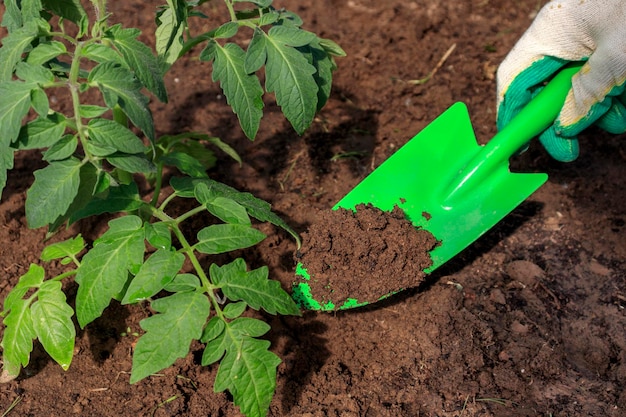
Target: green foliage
(95,154)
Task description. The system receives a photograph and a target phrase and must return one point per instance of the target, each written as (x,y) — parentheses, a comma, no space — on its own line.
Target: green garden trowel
(449,185)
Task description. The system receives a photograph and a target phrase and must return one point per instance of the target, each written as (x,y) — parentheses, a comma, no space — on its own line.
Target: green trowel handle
(534,118)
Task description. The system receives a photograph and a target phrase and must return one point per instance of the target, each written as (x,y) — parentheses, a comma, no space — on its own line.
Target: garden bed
(528,321)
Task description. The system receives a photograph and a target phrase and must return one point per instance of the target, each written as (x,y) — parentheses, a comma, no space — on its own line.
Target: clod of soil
(364,255)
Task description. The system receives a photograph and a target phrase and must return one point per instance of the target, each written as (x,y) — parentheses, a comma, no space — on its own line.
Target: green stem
(231,10)
(165,202)
(74,87)
(100,7)
(190,213)
(64,275)
(157,187)
(63,36)
(188,251)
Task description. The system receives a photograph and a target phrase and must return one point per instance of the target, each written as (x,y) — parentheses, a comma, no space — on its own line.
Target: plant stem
(190,213)
(188,250)
(165,202)
(63,36)
(231,10)
(64,275)
(157,187)
(74,86)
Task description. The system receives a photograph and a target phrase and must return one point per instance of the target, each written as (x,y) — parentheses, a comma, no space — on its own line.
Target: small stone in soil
(364,255)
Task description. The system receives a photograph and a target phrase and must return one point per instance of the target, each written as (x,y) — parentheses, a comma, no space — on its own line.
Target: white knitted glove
(570,30)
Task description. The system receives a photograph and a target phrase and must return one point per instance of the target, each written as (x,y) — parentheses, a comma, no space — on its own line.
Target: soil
(364,255)
(530,320)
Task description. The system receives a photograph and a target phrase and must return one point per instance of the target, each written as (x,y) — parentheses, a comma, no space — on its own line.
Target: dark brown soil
(363,255)
(530,320)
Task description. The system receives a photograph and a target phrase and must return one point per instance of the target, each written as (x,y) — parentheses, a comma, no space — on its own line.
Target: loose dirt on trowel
(363,255)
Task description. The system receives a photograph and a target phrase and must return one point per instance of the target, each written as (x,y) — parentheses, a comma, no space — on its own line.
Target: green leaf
(234,310)
(158,235)
(186,163)
(291,36)
(256,54)
(17,340)
(139,58)
(289,19)
(225,209)
(45,52)
(253,287)
(260,3)
(14,107)
(268,18)
(158,271)
(169,334)
(39,101)
(224,147)
(12,18)
(243,90)
(218,340)
(131,163)
(214,328)
(52,321)
(257,208)
(182,283)
(41,133)
(52,192)
(108,133)
(331,47)
(31,279)
(324,66)
(62,149)
(171,23)
(229,211)
(13,46)
(99,150)
(6,163)
(68,9)
(65,249)
(31,10)
(90,181)
(118,199)
(103,54)
(104,269)
(118,86)
(248,370)
(290,76)
(227,30)
(33,73)
(221,238)
(89,111)
(205,156)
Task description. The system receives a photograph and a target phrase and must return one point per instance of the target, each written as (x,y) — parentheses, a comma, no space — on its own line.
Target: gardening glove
(563,31)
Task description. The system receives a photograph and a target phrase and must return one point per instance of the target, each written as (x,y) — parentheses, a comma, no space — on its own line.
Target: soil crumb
(364,255)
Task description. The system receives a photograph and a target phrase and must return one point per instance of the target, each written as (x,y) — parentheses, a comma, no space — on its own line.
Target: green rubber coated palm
(448,184)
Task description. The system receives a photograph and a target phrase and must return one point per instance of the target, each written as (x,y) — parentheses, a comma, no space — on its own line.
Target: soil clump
(364,255)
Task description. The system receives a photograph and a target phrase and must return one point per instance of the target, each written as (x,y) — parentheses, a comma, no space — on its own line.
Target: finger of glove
(614,120)
(524,87)
(595,91)
(564,149)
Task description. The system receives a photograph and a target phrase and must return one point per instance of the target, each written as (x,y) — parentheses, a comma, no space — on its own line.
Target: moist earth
(530,320)
(363,255)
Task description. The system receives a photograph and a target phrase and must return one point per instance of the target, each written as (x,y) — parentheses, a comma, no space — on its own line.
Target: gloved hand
(563,31)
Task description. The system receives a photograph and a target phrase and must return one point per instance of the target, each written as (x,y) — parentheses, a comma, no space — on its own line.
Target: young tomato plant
(96,153)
